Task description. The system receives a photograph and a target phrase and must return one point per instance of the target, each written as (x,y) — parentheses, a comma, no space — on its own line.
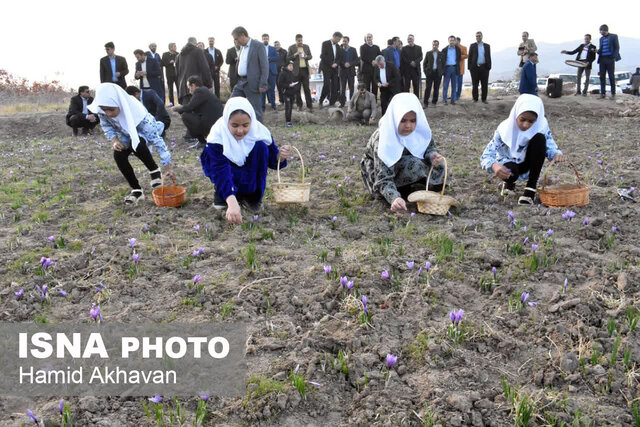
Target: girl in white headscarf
(400,153)
(131,129)
(519,146)
(238,153)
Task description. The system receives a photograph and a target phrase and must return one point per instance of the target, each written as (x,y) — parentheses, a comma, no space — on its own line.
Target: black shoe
(252,206)
(475,100)
(86,131)
(75,131)
(484,101)
(218,203)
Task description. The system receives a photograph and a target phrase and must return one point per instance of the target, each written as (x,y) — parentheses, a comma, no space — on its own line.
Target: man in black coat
(169,64)
(232,62)
(202,111)
(586,54)
(387,78)
(368,54)
(113,68)
(153,104)
(282,63)
(78,115)
(218,61)
(410,58)
(433,70)
(479,67)
(149,72)
(191,61)
(331,59)
(300,54)
(348,70)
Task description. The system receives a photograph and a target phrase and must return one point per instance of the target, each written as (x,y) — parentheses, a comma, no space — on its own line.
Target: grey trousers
(356,116)
(254,98)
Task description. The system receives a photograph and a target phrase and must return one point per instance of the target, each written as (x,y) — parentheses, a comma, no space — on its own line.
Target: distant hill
(504,62)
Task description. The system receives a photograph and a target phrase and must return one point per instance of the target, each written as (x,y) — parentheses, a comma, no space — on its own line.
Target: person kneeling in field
(400,153)
(519,146)
(238,152)
(362,106)
(131,129)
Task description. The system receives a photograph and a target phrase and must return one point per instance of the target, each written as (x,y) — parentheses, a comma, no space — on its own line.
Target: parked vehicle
(622,81)
(542,84)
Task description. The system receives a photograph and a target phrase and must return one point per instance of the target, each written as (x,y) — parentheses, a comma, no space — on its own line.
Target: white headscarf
(131,110)
(511,135)
(391,144)
(234,150)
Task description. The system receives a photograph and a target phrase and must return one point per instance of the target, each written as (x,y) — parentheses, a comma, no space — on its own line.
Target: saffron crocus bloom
(156,399)
(99,287)
(343,281)
(52,239)
(420,271)
(586,221)
(135,258)
(456,316)
(427,266)
(549,232)
(195,253)
(350,284)
(334,219)
(204,396)
(95,312)
(196,278)
(566,283)
(391,360)
(614,229)
(196,227)
(43,291)
(524,297)
(200,251)
(33,417)
(410,265)
(295,371)
(534,247)
(19,293)
(510,215)
(526,240)
(364,305)
(255,218)
(512,224)
(61,406)
(45,263)
(62,292)
(327,269)
(132,242)
(494,271)
(412,214)
(384,275)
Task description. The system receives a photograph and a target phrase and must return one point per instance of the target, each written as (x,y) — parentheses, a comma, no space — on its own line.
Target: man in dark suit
(191,61)
(273,58)
(253,70)
(392,52)
(113,68)
(169,64)
(433,70)
(149,73)
(608,55)
(79,116)
(387,78)
(451,60)
(210,63)
(368,54)
(331,59)
(529,76)
(348,71)
(153,104)
(217,60)
(300,54)
(479,67)
(410,58)
(232,62)
(282,62)
(202,111)
(586,54)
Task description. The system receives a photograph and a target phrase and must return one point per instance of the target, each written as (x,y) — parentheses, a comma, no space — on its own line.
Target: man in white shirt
(78,115)
(586,54)
(253,70)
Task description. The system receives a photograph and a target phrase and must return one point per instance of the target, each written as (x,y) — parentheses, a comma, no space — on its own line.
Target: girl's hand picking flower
(398,205)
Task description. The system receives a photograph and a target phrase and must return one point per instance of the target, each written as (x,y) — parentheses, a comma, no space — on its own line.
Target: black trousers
(171,82)
(80,121)
(367,79)
(279,89)
(433,79)
(607,66)
(480,75)
(216,84)
(385,98)
(410,76)
(122,160)
(330,86)
(288,106)
(347,77)
(195,126)
(303,78)
(533,160)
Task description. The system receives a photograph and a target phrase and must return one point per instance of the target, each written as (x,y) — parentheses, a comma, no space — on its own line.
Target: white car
(542,84)
(594,85)
(497,85)
(622,81)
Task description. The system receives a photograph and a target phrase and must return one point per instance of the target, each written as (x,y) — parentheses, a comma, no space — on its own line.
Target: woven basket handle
(301,162)
(444,184)
(575,170)
(162,186)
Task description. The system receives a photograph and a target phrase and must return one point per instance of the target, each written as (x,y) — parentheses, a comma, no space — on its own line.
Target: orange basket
(564,195)
(172,196)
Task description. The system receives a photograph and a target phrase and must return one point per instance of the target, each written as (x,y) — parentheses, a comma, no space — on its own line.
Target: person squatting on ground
(238,152)
(79,116)
(400,153)
(131,129)
(519,146)
(153,104)
(362,107)
(290,87)
(202,111)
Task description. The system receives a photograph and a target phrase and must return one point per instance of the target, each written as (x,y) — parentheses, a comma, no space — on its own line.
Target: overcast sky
(64,39)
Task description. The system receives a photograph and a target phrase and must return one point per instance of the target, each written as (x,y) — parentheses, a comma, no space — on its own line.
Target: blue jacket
(273,58)
(154,75)
(155,105)
(529,79)
(614,45)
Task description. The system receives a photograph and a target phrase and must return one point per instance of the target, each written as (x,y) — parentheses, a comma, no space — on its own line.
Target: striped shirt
(605,49)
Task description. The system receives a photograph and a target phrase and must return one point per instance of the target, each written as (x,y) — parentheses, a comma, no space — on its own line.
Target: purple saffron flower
(43,291)
(132,242)
(512,224)
(566,283)
(93,249)
(384,275)
(391,360)
(52,239)
(586,221)
(33,417)
(20,293)
(349,284)
(204,396)
(315,384)
(549,232)
(456,316)
(95,312)
(427,266)
(532,303)
(99,287)
(510,215)
(327,269)
(494,271)
(420,271)
(412,214)
(61,406)
(295,371)
(343,281)
(62,292)
(45,263)
(196,228)
(156,399)
(195,253)
(534,247)
(599,155)
(524,297)
(410,265)
(196,278)
(364,305)
(600,161)
(614,229)
(526,240)
(135,258)
(255,218)
(200,251)
(334,219)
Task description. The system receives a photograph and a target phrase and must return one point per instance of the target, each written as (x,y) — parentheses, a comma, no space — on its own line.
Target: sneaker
(453,102)
(444,102)
(508,189)
(218,203)
(527,198)
(134,197)
(288,125)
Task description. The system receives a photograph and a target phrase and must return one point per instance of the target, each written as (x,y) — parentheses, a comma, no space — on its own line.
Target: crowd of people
(238,149)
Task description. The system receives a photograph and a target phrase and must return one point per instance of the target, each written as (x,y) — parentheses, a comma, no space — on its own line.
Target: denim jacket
(148,128)
(499,152)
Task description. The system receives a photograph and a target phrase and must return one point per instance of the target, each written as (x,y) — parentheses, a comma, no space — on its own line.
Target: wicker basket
(287,194)
(431,202)
(564,195)
(172,196)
